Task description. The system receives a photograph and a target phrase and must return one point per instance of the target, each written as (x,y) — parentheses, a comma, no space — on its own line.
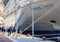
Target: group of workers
(11,29)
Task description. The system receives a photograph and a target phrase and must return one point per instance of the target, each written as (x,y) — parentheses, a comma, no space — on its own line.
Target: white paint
(56,26)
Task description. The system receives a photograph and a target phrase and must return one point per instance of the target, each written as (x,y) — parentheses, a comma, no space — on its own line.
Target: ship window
(52,21)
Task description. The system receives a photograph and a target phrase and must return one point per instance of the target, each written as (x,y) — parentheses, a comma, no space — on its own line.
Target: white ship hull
(44,12)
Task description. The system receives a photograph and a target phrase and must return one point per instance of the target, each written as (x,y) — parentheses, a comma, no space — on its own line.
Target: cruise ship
(46,18)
